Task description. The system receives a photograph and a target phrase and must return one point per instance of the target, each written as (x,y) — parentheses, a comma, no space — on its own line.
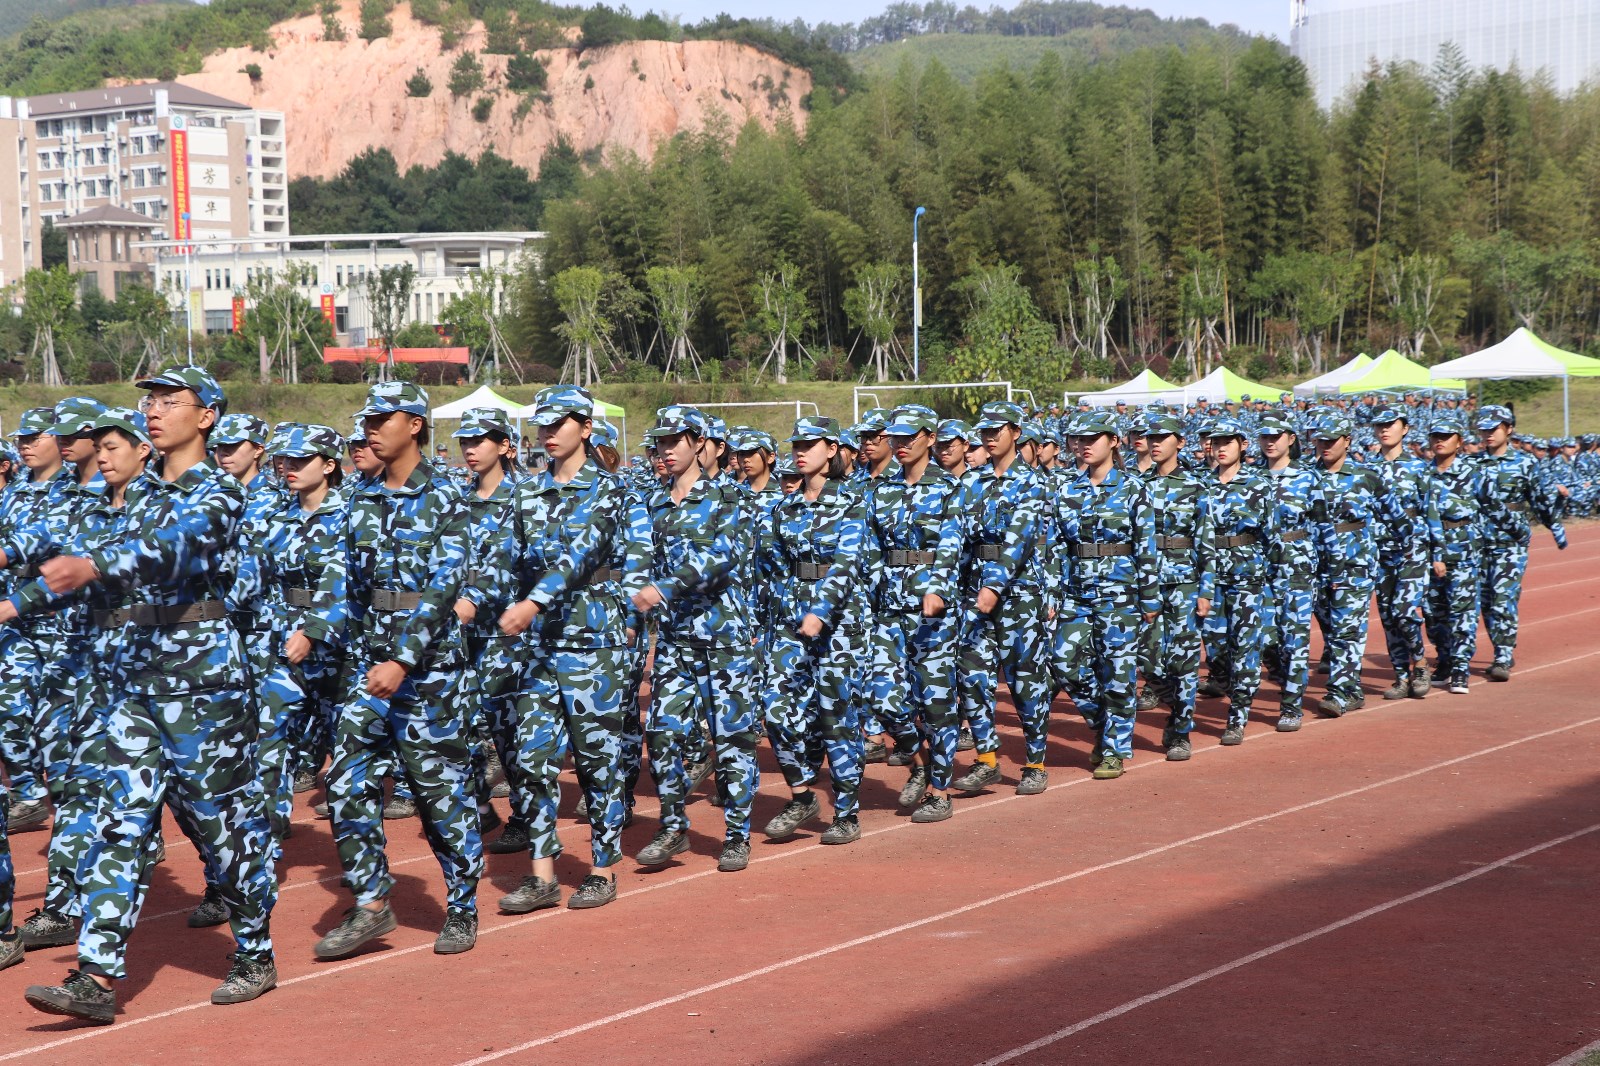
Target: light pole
(916,299)
(188,287)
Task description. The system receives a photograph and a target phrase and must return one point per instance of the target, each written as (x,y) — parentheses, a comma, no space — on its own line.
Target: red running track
(1409,884)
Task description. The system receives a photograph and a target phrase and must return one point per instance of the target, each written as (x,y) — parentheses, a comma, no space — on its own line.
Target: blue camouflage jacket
(924,517)
(699,548)
(1115,512)
(811,559)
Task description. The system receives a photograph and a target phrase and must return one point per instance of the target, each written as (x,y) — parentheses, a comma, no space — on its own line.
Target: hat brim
(1491,423)
(906,429)
(994,423)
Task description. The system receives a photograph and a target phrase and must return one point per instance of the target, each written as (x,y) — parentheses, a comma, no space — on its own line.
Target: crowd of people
(208,615)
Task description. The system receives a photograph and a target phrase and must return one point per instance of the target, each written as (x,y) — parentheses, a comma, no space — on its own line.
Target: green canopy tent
(1391,370)
(1523,355)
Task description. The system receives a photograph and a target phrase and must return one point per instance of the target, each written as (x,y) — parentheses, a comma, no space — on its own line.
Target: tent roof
(482,396)
(1391,370)
(1335,377)
(1144,388)
(1223,384)
(1521,355)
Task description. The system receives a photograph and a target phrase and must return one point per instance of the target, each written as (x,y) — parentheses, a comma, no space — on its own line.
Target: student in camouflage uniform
(405,551)
(1513,495)
(183,726)
(1403,560)
(1456,491)
(703,666)
(1006,508)
(575,543)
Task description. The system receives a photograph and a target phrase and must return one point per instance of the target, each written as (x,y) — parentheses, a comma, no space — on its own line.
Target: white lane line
(1282,945)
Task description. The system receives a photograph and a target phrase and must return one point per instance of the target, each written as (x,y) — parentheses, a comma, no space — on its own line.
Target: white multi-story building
(161,150)
(1339,40)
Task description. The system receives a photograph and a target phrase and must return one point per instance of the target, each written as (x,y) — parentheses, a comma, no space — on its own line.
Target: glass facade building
(1338,40)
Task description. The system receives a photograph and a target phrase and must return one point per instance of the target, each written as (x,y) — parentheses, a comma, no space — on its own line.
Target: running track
(1413,883)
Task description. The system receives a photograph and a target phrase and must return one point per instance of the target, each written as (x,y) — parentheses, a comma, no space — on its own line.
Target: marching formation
(204,615)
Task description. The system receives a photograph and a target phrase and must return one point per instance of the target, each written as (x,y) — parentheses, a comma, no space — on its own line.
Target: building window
(219,321)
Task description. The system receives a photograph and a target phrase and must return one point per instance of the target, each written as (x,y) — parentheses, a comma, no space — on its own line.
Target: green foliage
(52,245)
(375,19)
(419,84)
(501,34)
(252,71)
(526,73)
(332,28)
(482,107)
(418,335)
(466,74)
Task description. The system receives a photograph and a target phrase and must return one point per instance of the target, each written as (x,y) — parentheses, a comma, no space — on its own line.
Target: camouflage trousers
(572,698)
(23,654)
(1345,601)
(8,880)
(194,750)
(1096,658)
(883,712)
(425,729)
(817,688)
(1241,610)
(922,680)
(1009,644)
(713,686)
(1401,587)
(632,758)
(1452,615)
(293,701)
(1500,594)
(73,684)
(1287,629)
(1175,664)
(1214,638)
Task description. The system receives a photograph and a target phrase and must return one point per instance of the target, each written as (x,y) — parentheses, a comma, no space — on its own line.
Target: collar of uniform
(190,479)
(501,493)
(415,485)
(932,475)
(332,503)
(259,482)
(1113,478)
(586,476)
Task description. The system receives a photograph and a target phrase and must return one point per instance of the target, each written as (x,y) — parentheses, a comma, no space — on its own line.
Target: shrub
(419,84)
(466,74)
(526,73)
(253,70)
(481,109)
(375,19)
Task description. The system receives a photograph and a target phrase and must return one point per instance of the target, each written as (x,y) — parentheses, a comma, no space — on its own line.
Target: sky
(1270,17)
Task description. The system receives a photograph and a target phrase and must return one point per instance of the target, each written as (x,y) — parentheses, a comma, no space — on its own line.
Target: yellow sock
(988,758)
(1033,766)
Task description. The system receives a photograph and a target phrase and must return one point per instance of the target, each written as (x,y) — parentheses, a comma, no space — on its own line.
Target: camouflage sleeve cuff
(317,630)
(105,562)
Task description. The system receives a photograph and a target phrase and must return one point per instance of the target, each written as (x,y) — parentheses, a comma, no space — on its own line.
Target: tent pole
(1566,404)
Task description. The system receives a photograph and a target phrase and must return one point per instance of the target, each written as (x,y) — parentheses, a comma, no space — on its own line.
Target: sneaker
(27,815)
(874,751)
(581,808)
(249,979)
(512,839)
(1148,700)
(596,891)
(459,934)
(627,817)
(12,950)
(794,815)
(1421,682)
(501,791)
(210,911)
(1498,672)
(47,929)
(1034,781)
(934,808)
(1400,690)
(159,856)
(79,996)
(1178,747)
(534,894)
(915,788)
(399,807)
(735,855)
(696,771)
(304,781)
(660,850)
(1458,685)
(359,926)
(493,772)
(1332,705)
(965,741)
(1212,688)
(1109,768)
(901,758)
(488,821)
(1232,736)
(718,797)
(842,831)
(976,779)
(1289,723)
(321,811)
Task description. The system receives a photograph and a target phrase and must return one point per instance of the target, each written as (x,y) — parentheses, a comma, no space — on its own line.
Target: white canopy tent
(482,396)
(1220,386)
(1147,387)
(1331,381)
(1523,355)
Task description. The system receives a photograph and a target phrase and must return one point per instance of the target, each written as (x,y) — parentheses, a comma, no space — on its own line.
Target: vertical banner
(179,141)
(327,306)
(197,310)
(238,313)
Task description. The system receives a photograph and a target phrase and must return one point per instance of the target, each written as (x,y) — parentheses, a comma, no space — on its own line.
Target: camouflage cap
(999,413)
(677,418)
(1494,415)
(559,401)
(75,415)
(716,428)
(358,435)
(482,421)
(1331,427)
(909,419)
(1030,433)
(603,434)
(234,429)
(786,467)
(816,427)
(196,379)
(281,433)
(1164,426)
(974,440)
(849,438)
(876,420)
(1095,423)
(1390,413)
(126,419)
(1225,427)
(1272,425)
(952,429)
(302,441)
(388,397)
(753,440)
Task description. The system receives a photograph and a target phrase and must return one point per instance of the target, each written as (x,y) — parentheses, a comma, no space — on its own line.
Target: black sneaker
(304,781)
(901,758)
(459,934)
(596,891)
(661,849)
(842,831)
(735,855)
(47,929)
(1148,700)
(873,751)
(76,997)
(981,776)
(1034,781)
(1333,706)
(1458,684)
(24,816)
(249,979)
(512,839)
(11,950)
(210,911)
(359,926)
(534,894)
(934,808)
(488,821)
(399,807)
(1212,688)
(965,741)
(794,815)
(915,788)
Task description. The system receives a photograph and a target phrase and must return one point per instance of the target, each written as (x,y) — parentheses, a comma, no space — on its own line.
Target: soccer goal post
(874,390)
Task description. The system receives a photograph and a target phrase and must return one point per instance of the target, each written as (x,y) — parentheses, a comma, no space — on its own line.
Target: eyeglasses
(160,405)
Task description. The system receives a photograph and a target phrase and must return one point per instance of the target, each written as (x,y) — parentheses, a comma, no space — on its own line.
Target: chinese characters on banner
(179,139)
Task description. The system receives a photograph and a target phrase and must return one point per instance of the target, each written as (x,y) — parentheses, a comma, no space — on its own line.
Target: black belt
(247,622)
(810,571)
(1516,507)
(1101,551)
(1349,527)
(1454,523)
(1292,536)
(110,619)
(299,597)
(991,553)
(152,614)
(602,575)
(897,557)
(395,600)
(1239,541)
(1172,543)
